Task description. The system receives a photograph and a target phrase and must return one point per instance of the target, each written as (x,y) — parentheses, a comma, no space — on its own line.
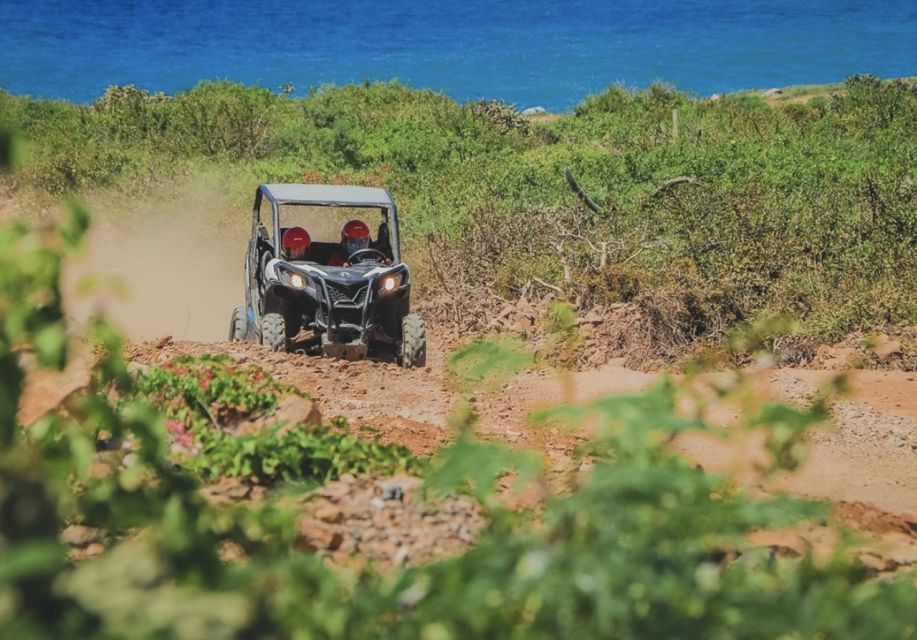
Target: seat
(383,243)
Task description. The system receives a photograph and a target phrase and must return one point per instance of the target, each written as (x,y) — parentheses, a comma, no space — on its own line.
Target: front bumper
(358,313)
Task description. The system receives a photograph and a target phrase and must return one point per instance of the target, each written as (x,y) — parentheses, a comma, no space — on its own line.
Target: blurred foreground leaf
(489,362)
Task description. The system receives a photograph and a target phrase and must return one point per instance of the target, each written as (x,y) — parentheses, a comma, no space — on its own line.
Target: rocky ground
(863,463)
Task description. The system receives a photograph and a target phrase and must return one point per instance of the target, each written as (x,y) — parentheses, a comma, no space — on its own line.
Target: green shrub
(802,209)
(224,414)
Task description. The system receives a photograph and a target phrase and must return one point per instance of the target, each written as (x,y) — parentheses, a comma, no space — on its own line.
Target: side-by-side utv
(359,308)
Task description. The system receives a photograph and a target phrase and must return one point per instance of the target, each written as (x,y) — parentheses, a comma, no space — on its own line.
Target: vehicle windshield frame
(389,214)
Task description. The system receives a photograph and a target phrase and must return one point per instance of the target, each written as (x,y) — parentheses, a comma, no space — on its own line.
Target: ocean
(548,53)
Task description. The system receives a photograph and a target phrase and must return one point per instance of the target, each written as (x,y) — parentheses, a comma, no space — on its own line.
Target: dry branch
(668,184)
(581,194)
(548,285)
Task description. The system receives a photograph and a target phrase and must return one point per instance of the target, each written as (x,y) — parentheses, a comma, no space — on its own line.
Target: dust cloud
(164,266)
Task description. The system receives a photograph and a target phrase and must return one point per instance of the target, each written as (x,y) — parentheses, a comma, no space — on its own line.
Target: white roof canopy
(327,194)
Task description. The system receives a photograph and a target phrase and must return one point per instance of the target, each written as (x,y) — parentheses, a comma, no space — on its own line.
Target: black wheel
(238,326)
(413,342)
(274,331)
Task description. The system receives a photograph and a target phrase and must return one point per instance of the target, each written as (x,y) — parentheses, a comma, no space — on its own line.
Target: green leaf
(72,228)
(489,362)
(28,559)
(470,465)
(51,345)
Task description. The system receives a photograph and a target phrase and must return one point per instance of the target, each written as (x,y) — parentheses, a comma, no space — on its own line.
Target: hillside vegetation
(807,209)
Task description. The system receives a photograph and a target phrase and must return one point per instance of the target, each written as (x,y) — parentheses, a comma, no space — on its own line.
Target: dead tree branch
(668,184)
(580,192)
(548,285)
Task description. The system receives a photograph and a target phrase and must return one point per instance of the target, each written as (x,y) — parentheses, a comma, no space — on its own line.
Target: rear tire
(413,342)
(274,331)
(238,326)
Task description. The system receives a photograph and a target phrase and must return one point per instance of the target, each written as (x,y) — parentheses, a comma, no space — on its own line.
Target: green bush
(806,209)
(207,400)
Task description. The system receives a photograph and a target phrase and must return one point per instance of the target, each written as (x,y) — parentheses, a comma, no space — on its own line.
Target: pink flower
(175,427)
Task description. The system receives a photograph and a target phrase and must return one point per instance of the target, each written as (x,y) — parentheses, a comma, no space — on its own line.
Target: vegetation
(644,545)
(805,209)
(223,417)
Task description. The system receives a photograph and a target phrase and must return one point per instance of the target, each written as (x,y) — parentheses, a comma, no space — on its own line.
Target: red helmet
(354,236)
(295,242)
(354,229)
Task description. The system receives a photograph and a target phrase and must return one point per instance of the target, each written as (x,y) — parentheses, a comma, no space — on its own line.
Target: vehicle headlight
(392,282)
(297,281)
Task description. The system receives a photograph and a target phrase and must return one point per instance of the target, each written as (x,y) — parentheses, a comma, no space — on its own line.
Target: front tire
(413,342)
(274,331)
(238,326)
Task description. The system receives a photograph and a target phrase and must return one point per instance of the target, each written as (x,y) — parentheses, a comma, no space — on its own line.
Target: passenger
(354,236)
(295,243)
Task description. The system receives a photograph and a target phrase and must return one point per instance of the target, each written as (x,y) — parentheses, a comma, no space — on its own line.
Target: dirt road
(868,455)
(864,463)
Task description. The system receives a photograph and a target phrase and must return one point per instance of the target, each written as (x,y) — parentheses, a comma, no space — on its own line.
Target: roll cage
(326,196)
(262,248)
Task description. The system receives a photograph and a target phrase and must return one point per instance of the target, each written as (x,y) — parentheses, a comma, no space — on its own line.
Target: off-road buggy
(352,312)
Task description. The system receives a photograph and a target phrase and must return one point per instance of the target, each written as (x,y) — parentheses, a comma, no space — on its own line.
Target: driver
(295,243)
(354,236)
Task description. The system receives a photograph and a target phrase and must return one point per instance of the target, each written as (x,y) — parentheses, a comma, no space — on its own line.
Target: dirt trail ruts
(868,454)
(864,462)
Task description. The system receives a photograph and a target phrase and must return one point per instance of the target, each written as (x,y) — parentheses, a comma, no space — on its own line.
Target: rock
(329,513)
(334,542)
(245,427)
(715,97)
(503,317)
(781,543)
(387,549)
(163,341)
(295,409)
(317,536)
(394,492)
(395,488)
(393,532)
(28,361)
(227,491)
(770,94)
(401,557)
(522,325)
(137,369)
(876,561)
(833,358)
(76,535)
(590,318)
(534,111)
(888,349)
(334,491)
(49,390)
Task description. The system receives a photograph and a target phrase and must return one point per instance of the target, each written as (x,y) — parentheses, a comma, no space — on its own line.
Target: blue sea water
(541,52)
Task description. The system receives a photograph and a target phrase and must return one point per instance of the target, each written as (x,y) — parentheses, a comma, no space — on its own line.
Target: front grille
(348,316)
(348,295)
